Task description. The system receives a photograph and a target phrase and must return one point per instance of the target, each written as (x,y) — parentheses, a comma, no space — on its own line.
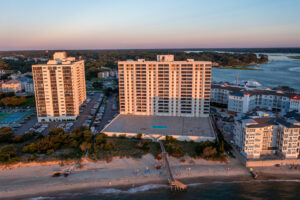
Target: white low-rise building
(295,103)
(220,93)
(261,99)
(28,87)
(103,74)
(242,99)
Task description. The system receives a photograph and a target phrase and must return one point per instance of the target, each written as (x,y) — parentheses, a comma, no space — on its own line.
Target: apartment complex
(220,93)
(240,99)
(108,74)
(264,134)
(295,103)
(165,87)
(11,86)
(59,88)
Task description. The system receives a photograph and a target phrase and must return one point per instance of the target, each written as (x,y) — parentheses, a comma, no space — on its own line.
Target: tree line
(81,142)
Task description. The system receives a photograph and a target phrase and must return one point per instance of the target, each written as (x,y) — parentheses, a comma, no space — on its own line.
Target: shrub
(123,136)
(139,136)
(209,152)
(87,135)
(50,151)
(8,153)
(73,144)
(100,138)
(30,148)
(85,146)
(29,136)
(17,139)
(6,134)
(201,146)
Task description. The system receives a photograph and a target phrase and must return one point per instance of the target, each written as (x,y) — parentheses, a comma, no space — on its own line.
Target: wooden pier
(173,183)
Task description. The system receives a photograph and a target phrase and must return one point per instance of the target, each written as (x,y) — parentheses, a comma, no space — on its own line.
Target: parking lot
(19,119)
(108,114)
(96,112)
(85,110)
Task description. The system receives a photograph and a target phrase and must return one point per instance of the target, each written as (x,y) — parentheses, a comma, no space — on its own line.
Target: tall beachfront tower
(165,87)
(59,88)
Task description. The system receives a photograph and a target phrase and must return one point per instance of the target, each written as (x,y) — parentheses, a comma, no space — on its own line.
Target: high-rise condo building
(165,87)
(262,134)
(59,88)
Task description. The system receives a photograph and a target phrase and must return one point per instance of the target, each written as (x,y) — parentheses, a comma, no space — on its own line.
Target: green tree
(30,148)
(6,134)
(7,153)
(85,146)
(98,85)
(209,152)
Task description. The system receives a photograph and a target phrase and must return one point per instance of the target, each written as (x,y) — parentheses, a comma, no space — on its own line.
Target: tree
(100,138)
(13,101)
(108,91)
(209,152)
(6,134)
(30,148)
(97,85)
(85,146)
(87,134)
(139,136)
(201,146)
(7,153)
(3,65)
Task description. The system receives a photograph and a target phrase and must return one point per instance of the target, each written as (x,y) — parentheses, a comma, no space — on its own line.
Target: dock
(173,183)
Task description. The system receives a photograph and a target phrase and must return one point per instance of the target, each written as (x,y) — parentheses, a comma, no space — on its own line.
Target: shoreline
(190,182)
(32,181)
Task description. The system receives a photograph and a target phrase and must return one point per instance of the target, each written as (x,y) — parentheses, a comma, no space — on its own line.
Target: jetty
(173,183)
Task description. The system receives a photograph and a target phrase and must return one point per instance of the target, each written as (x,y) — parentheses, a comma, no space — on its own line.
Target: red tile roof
(295,97)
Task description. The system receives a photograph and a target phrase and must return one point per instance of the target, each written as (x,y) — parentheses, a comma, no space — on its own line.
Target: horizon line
(113,49)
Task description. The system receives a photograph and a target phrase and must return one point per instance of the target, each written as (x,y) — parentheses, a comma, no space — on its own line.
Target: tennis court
(10,117)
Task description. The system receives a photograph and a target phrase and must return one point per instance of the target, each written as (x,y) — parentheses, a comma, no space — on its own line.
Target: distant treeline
(96,58)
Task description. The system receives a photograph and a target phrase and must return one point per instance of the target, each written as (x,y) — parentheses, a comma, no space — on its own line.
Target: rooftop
(12,82)
(237,90)
(162,125)
(165,59)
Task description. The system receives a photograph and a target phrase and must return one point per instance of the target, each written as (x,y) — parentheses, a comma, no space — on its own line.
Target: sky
(142,24)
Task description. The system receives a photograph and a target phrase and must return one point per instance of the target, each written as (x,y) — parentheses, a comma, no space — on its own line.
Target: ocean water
(249,190)
(280,70)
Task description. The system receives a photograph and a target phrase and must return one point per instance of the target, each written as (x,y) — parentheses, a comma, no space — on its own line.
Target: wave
(148,187)
(142,188)
(294,69)
(41,198)
(247,181)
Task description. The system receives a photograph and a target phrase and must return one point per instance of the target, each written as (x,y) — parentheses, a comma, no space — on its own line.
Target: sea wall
(268,163)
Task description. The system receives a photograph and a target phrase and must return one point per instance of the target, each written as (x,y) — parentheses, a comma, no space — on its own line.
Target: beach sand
(36,178)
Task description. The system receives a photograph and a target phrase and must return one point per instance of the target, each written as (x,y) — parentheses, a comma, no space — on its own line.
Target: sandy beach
(36,179)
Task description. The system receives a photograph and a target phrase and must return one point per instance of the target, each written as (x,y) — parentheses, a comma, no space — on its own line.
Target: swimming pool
(159,127)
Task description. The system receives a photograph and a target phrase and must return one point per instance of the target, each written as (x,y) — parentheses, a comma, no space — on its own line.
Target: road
(86,110)
(108,114)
